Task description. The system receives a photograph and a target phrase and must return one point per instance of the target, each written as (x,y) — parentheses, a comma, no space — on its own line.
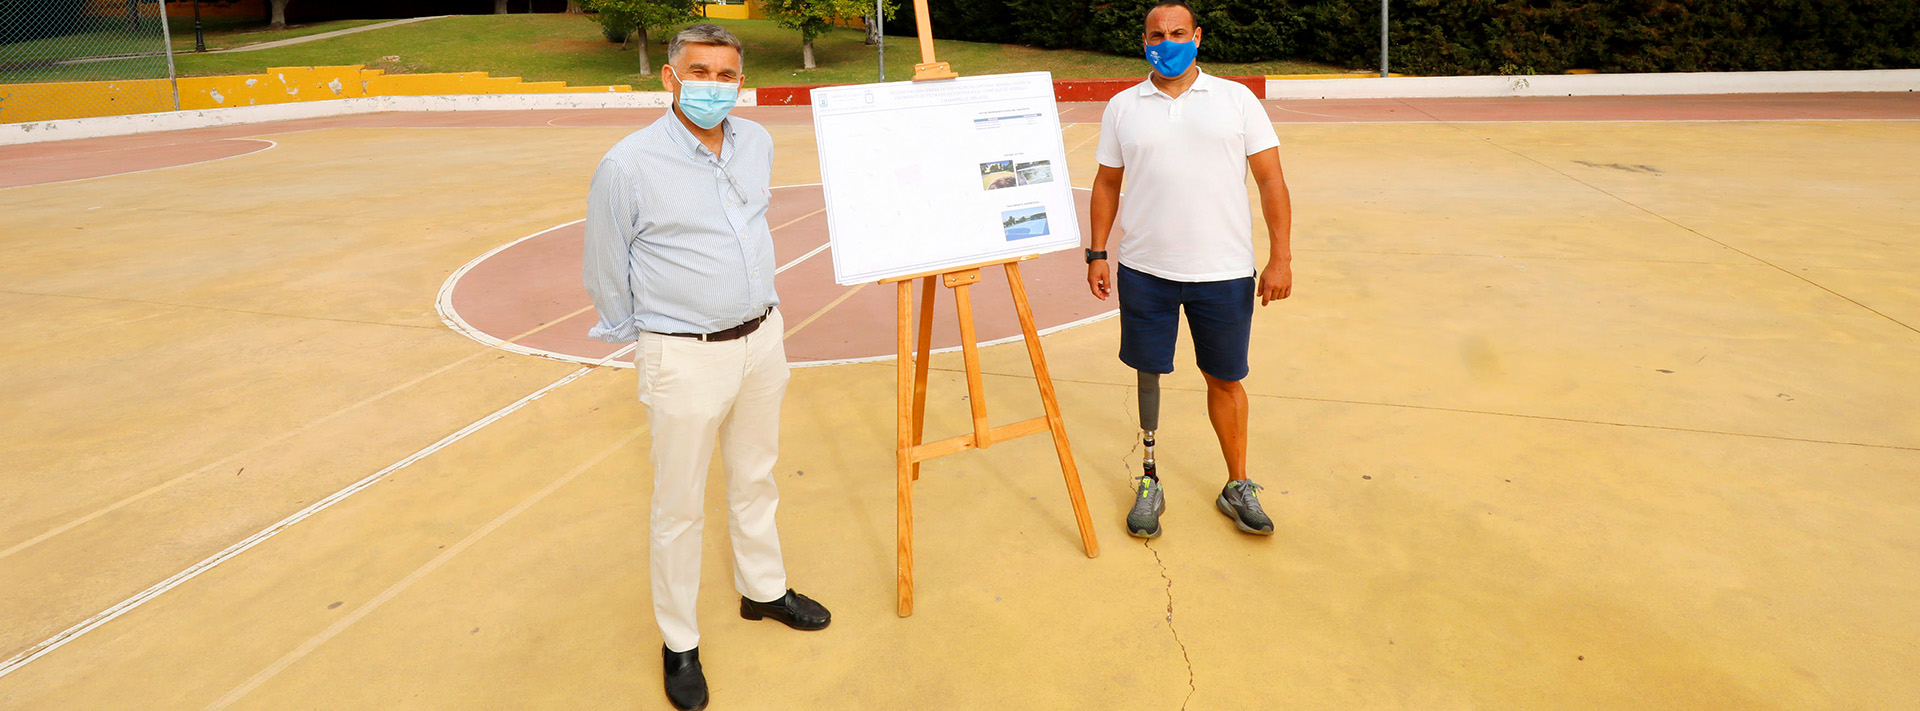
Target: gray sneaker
(1150,501)
(1241,502)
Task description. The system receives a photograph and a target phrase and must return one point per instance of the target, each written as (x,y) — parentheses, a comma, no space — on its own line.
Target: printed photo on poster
(998,174)
(1024,222)
(1034,173)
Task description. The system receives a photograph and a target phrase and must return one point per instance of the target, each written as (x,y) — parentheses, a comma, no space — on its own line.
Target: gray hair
(703,33)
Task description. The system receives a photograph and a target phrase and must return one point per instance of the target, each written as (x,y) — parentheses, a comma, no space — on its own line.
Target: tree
(643,16)
(813,17)
(872,23)
(499,7)
(279,15)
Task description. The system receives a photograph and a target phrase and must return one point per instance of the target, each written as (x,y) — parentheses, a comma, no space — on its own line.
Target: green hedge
(1441,37)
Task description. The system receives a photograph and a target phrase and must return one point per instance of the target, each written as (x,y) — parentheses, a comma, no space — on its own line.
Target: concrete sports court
(1578,403)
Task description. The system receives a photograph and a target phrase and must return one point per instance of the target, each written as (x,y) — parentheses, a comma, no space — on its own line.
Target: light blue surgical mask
(1171,59)
(706,103)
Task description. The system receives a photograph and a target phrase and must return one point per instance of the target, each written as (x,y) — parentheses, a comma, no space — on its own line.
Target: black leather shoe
(798,611)
(686,683)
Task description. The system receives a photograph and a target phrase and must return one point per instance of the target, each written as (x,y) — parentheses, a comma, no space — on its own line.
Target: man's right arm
(1106,198)
(607,260)
(1106,205)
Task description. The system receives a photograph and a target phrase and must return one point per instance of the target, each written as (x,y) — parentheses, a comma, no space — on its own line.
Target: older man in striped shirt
(679,257)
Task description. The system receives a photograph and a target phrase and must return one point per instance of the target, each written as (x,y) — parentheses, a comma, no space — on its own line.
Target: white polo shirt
(1185,215)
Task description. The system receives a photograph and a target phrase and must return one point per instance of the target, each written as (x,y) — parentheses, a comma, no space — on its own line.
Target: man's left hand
(1276,281)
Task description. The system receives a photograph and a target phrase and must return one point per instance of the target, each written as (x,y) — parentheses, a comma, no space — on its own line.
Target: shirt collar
(691,143)
(1148,89)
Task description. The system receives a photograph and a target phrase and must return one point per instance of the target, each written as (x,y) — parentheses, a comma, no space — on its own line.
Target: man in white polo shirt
(1183,142)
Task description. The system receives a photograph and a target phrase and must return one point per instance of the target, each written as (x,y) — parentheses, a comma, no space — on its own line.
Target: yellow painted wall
(39,102)
(751,10)
(279,85)
(729,12)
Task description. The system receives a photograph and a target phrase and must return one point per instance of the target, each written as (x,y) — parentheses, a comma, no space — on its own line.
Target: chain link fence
(73,58)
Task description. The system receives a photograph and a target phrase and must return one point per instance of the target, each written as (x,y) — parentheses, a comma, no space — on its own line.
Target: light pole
(880,34)
(199,38)
(1383,38)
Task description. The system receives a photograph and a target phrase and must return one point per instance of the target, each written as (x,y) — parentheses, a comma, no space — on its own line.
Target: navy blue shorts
(1219,314)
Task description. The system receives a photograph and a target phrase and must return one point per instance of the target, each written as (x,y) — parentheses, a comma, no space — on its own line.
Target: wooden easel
(912,372)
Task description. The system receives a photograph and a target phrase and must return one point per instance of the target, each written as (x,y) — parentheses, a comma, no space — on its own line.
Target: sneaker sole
(1155,533)
(1220,502)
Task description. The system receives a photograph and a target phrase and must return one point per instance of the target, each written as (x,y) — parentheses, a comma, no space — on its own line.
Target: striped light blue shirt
(677,238)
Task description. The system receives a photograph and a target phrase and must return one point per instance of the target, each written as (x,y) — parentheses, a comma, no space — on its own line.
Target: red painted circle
(532,283)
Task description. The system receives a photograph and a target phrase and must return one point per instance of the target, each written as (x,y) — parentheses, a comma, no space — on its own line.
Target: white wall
(63,129)
(1596,85)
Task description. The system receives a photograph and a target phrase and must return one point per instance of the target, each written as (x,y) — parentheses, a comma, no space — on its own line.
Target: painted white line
(394,590)
(443,304)
(1336,119)
(143,597)
(803,257)
(270,145)
(451,316)
(257,446)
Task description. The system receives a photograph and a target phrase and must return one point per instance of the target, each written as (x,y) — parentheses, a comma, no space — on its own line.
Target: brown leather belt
(740,331)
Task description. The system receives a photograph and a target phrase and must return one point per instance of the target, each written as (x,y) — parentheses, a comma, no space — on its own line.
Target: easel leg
(908,430)
(920,365)
(1050,401)
(970,352)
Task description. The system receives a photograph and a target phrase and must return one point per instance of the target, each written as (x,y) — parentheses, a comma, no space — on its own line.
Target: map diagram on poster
(920,176)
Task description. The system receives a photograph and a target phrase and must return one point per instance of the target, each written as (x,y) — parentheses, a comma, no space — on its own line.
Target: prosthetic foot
(1143,521)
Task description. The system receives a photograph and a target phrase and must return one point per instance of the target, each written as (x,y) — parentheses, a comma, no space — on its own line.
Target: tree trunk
(573,7)
(873,29)
(279,15)
(806,53)
(499,7)
(640,48)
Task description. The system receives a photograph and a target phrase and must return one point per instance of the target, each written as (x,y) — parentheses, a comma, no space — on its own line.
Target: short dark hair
(1195,19)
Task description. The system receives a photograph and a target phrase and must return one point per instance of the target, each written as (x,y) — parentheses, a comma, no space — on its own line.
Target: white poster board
(921,176)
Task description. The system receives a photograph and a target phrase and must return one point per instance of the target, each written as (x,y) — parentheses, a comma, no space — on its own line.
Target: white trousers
(694,392)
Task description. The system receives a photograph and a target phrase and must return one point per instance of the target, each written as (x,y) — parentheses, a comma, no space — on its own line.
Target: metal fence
(70,58)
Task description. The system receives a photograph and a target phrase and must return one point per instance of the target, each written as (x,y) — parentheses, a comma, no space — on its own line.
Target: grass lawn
(30,61)
(107,40)
(571,48)
(230,32)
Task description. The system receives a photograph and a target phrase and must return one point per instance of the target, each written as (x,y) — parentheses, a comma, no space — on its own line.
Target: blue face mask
(706,103)
(1171,59)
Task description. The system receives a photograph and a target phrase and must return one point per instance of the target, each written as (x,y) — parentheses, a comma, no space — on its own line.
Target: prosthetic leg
(1149,418)
(1143,520)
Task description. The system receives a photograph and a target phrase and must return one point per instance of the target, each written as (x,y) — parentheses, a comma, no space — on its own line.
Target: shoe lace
(1145,486)
(1249,494)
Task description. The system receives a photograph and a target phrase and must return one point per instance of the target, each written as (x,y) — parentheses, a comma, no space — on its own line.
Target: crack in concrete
(1126,465)
(1175,630)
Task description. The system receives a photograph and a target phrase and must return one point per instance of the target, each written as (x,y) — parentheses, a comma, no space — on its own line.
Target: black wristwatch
(1092,255)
